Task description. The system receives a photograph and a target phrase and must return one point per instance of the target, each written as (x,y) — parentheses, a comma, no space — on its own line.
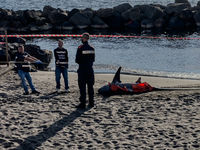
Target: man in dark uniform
(85,57)
(22,63)
(61,60)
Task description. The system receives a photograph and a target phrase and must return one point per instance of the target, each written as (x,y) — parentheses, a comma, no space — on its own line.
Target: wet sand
(49,121)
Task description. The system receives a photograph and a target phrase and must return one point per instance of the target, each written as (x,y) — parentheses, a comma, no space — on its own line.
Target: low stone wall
(176,15)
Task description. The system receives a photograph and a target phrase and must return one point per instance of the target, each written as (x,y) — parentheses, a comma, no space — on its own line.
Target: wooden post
(6,47)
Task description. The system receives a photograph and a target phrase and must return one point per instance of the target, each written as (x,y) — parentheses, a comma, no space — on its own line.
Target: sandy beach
(50,121)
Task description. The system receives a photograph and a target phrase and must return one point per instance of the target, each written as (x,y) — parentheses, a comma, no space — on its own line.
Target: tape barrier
(108,36)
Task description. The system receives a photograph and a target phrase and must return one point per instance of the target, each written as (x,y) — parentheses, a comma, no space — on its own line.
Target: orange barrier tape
(111,36)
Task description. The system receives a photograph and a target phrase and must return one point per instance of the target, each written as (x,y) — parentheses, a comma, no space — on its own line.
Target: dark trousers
(86,76)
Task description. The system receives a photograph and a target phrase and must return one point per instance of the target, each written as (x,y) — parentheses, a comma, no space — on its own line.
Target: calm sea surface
(160,57)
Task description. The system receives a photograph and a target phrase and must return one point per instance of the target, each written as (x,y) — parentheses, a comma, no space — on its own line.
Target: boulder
(88,14)
(96,22)
(133,24)
(159,23)
(105,13)
(136,16)
(152,12)
(125,15)
(40,21)
(175,22)
(67,26)
(17,26)
(121,8)
(72,12)
(80,21)
(45,27)
(176,8)
(22,20)
(31,15)
(187,16)
(183,1)
(114,21)
(32,27)
(44,55)
(58,17)
(147,23)
(3,13)
(47,10)
(197,18)
(198,3)
(4,25)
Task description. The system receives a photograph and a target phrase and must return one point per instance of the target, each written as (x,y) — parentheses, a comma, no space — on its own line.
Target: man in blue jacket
(22,63)
(85,57)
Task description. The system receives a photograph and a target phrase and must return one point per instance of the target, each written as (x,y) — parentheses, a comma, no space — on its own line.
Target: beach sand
(50,121)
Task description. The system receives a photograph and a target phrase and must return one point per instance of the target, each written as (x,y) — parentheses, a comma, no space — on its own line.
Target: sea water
(156,57)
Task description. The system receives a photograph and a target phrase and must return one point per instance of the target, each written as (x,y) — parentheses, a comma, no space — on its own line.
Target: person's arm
(78,56)
(66,56)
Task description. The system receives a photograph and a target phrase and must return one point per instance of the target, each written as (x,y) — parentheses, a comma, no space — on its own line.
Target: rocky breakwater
(13,42)
(174,15)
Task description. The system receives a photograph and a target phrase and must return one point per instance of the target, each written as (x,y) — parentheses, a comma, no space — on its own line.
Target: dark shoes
(81,106)
(26,93)
(91,105)
(35,92)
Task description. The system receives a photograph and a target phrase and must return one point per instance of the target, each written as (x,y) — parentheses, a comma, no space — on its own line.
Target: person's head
(21,49)
(60,44)
(85,37)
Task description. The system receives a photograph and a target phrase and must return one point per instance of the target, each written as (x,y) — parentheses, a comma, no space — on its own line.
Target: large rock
(17,26)
(4,25)
(152,12)
(88,14)
(40,21)
(197,18)
(133,24)
(44,55)
(67,26)
(176,8)
(96,22)
(31,15)
(136,16)
(147,23)
(72,12)
(45,27)
(105,13)
(121,8)
(182,1)
(3,13)
(176,22)
(47,10)
(159,23)
(114,21)
(126,15)
(58,17)
(187,17)
(80,21)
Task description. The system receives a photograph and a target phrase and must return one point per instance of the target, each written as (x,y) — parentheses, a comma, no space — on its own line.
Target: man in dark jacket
(85,57)
(22,63)
(61,60)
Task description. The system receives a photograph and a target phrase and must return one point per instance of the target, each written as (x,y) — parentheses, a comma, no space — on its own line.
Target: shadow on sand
(33,142)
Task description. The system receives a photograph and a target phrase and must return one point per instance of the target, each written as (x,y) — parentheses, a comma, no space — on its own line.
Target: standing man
(61,60)
(85,57)
(22,63)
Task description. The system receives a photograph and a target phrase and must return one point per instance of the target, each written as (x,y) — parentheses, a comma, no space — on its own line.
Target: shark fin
(116,78)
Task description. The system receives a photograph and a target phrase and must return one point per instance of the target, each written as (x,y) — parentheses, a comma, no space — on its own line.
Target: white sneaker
(67,90)
(58,90)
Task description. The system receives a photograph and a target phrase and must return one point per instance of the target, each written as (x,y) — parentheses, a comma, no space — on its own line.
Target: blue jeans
(64,72)
(26,76)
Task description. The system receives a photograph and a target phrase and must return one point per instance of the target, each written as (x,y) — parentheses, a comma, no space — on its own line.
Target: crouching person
(22,62)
